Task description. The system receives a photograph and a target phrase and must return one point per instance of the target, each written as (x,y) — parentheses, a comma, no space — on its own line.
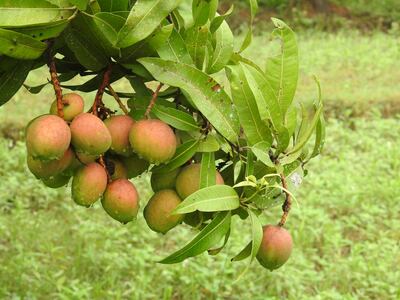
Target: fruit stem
(152,101)
(288,202)
(103,164)
(98,102)
(116,97)
(54,79)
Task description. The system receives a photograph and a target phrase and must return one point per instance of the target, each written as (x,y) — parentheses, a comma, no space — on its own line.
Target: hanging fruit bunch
(220,134)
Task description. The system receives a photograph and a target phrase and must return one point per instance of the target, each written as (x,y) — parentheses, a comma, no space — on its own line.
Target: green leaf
(12,80)
(206,239)
(201,12)
(261,151)
(212,198)
(196,43)
(215,251)
(218,20)
(207,170)
(256,131)
(303,139)
(209,144)
(143,19)
(13,13)
(282,70)
(249,36)
(87,54)
(174,48)
(249,164)
(176,118)
(223,49)
(204,91)
(256,234)
(245,253)
(183,153)
(43,31)
(20,46)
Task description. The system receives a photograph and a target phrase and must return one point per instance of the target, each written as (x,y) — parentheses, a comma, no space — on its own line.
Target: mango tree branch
(54,79)
(288,201)
(116,97)
(152,101)
(98,100)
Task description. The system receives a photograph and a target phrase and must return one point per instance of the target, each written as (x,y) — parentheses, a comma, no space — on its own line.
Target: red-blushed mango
(116,168)
(89,184)
(134,165)
(153,140)
(158,211)
(276,247)
(119,128)
(121,200)
(57,181)
(89,135)
(73,105)
(162,181)
(50,168)
(47,137)
(188,180)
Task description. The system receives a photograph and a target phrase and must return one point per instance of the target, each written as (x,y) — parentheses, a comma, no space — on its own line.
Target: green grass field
(346,226)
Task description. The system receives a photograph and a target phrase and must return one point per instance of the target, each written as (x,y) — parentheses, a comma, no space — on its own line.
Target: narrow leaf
(207,238)
(261,151)
(143,19)
(20,46)
(207,170)
(223,49)
(204,91)
(212,198)
(183,153)
(256,131)
(176,118)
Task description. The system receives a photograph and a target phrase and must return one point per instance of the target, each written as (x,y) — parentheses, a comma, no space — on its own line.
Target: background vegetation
(346,226)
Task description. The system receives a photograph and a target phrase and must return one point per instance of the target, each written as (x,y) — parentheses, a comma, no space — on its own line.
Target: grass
(346,227)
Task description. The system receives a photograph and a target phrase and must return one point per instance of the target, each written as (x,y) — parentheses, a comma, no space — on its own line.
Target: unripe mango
(89,135)
(134,165)
(153,140)
(56,181)
(73,105)
(47,137)
(121,200)
(276,247)
(188,180)
(162,181)
(158,211)
(89,184)
(86,158)
(119,128)
(48,169)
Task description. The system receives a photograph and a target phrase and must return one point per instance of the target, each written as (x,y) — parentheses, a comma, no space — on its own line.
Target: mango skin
(73,106)
(47,137)
(57,181)
(162,181)
(158,209)
(276,247)
(153,140)
(89,184)
(188,180)
(121,200)
(134,165)
(119,128)
(47,169)
(86,158)
(89,135)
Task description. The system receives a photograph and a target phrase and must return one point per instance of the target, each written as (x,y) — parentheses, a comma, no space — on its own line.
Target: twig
(103,164)
(98,102)
(152,101)
(116,97)
(288,202)
(54,79)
